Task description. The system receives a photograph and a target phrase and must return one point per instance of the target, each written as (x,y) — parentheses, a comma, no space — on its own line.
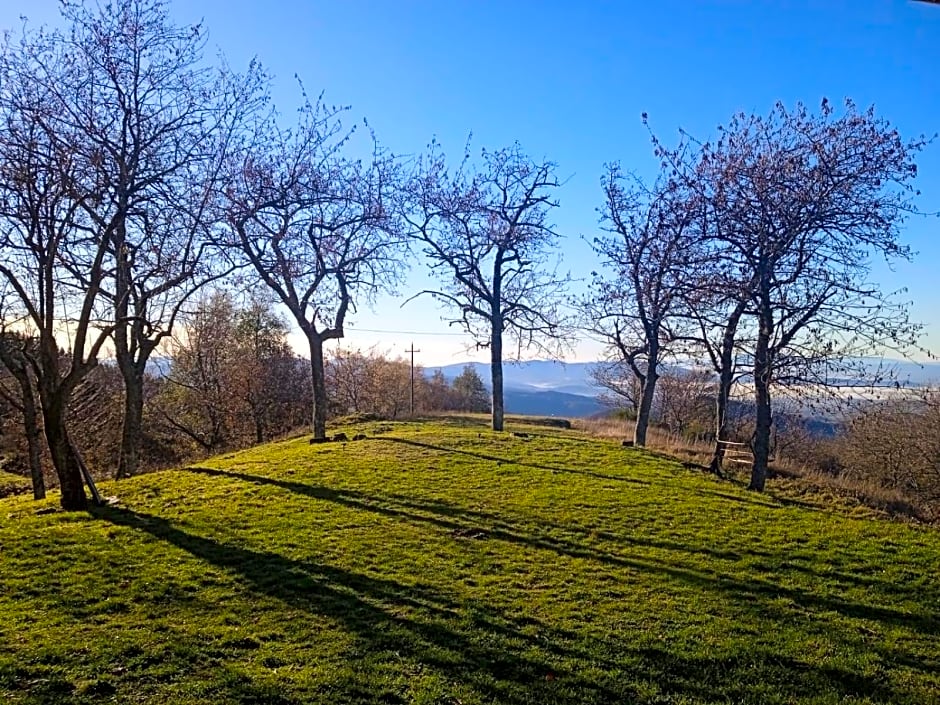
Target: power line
(353,329)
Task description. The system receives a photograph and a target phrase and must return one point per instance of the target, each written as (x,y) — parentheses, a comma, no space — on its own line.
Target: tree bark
(648,391)
(16,365)
(762,427)
(257,417)
(496,372)
(725,380)
(66,462)
(645,410)
(132,427)
(318,379)
(33,440)
(763,366)
(131,372)
(721,420)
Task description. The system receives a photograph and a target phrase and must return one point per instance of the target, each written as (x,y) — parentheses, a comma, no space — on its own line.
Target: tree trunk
(33,441)
(762,428)
(132,428)
(725,380)
(67,464)
(318,378)
(15,363)
(256,415)
(647,394)
(126,333)
(496,372)
(644,411)
(721,420)
(763,420)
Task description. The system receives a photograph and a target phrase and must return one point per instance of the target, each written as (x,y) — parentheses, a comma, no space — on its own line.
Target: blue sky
(570,81)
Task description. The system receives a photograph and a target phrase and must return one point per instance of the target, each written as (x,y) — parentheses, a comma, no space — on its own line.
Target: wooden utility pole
(412,351)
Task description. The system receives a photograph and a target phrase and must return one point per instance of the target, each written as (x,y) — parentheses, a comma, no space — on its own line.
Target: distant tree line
(885,450)
(137,176)
(227,379)
(371,383)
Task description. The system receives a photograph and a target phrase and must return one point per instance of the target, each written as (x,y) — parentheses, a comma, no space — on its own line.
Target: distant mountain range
(535,375)
(537,388)
(540,387)
(554,388)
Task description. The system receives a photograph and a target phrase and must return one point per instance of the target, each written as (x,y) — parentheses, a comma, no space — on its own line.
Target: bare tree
(264,366)
(155,122)
(233,379)
(319,229)
(54,262)
(348,377)
(621,387)
(651,251)
(717,307)
(113,135)
(895,443)
(437,394)
(370,382)
(14,351)
(198,399)
(685,400)
(468,391)
(487,235)
(800,204)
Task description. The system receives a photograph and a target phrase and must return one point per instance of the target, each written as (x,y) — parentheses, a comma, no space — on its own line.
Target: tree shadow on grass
(460,420)
(755,594)
(448,517)
(753,499)
(388,617)
(584,534)
(504,659)
(768,499)
(572,439)
(452,517)
(513,461)
(736,678)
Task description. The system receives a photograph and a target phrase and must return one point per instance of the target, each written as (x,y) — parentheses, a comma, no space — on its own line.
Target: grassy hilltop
(441,563)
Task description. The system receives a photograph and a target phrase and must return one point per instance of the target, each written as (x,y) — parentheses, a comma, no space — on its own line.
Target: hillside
(13,484)
(440,563)
(536,375)
(541,387)
(556,388)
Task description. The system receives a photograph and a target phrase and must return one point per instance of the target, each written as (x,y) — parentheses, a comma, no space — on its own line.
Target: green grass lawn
(11,484)
(442,563)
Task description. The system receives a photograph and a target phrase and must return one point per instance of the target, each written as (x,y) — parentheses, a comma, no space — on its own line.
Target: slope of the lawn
(11,484)
(442,563)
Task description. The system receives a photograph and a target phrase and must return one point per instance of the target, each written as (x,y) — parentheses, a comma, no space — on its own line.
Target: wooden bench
(737,452)
(740,453)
